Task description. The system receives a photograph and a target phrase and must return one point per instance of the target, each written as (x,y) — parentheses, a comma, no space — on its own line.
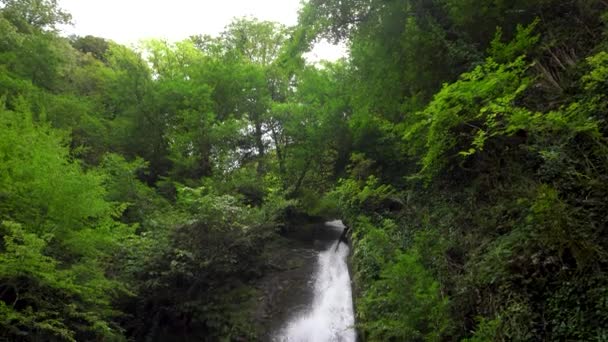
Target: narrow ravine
(330,316)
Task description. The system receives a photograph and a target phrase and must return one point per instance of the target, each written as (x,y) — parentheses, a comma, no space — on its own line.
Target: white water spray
(331,317)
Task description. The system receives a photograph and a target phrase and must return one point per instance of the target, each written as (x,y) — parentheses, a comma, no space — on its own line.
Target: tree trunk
(260,146)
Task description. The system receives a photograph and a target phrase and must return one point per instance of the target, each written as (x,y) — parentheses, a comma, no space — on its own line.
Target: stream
(330,316)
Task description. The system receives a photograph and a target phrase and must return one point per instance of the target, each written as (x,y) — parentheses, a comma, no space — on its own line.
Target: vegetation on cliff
(463,141)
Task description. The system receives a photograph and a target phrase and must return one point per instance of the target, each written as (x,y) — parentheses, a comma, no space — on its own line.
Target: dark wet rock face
(328,315)
(287,288)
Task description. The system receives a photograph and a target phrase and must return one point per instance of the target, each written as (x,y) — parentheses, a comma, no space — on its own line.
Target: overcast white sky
(128,21)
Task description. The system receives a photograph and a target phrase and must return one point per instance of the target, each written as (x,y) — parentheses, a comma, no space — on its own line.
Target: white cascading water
(331,317)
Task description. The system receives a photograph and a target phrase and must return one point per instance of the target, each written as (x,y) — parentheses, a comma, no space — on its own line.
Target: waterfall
(331,316)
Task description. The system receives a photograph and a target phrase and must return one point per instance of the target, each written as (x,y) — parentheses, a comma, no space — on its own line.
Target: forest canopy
(464,142)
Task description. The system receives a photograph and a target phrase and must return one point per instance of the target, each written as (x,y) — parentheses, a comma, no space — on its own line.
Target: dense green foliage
(477,186)
(464,141)
(137,195)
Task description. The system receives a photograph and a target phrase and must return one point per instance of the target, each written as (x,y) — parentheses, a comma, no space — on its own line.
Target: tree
(39,14)
(96,46)
(56,229)
(259,44)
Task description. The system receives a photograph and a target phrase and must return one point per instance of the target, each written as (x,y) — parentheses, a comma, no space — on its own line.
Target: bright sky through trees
(128,21)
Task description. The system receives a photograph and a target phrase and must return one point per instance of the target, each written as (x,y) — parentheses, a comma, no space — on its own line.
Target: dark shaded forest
(464,142)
